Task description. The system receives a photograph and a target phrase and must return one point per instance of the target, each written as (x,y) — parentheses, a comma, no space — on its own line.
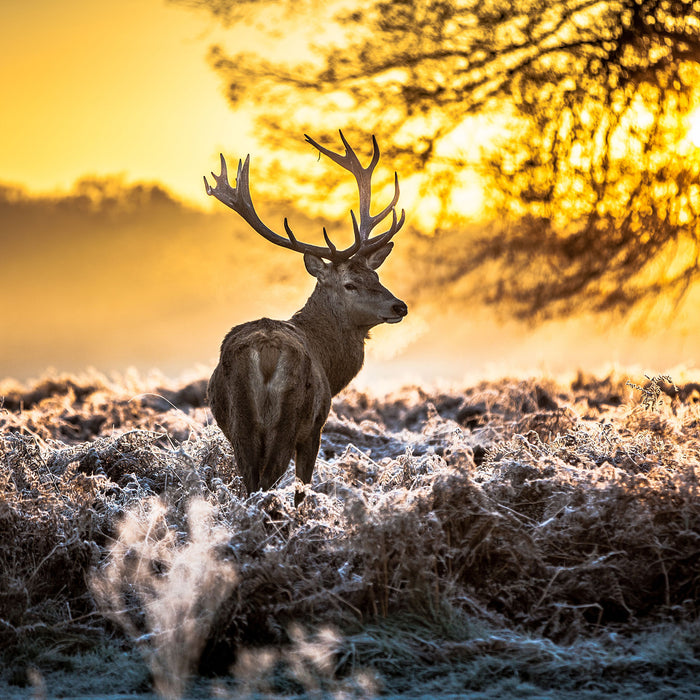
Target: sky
(112,87)
(123,87)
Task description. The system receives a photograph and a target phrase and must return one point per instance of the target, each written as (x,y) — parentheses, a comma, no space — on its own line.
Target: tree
(593,191)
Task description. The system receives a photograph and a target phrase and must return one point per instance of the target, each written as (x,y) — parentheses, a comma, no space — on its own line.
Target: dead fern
(651,393)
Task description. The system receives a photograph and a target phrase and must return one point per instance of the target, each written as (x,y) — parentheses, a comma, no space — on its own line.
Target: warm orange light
(694,127)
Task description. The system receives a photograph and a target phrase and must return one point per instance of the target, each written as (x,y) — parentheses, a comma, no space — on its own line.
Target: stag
(271,391)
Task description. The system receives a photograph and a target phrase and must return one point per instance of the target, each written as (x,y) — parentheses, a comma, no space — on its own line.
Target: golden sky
(111,86)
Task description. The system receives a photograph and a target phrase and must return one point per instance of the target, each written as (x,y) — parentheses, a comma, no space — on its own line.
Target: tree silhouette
(593,192)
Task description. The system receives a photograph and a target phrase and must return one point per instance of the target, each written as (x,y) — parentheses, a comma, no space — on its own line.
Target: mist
(116,275)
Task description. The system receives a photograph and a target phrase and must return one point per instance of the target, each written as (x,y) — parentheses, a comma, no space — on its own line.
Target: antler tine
(329,243)
(288,230)
(375,155)
(384,212)
(359,241)
(217,178)
(349,161)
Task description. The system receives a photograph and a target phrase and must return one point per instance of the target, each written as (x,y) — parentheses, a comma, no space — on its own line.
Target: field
(526,537)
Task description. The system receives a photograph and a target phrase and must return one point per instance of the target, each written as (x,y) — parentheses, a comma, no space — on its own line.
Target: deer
(271,391)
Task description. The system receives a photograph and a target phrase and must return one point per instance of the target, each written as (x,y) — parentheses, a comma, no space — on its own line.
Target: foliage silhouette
(592,193)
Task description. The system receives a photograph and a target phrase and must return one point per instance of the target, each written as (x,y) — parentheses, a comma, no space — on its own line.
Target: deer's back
(265,376)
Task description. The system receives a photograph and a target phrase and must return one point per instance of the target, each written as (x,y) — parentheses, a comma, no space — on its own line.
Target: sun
(693,134)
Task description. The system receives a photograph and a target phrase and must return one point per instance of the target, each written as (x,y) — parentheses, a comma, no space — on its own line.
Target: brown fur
(271,391)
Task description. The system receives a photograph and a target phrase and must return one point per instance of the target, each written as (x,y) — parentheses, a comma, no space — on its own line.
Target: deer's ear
(315,266)
(374,260)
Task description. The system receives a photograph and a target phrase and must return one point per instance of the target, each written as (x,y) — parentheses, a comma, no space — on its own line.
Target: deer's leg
(247,452)
(306,453)
(274,463)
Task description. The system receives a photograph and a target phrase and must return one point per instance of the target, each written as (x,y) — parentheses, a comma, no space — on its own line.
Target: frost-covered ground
(518,538)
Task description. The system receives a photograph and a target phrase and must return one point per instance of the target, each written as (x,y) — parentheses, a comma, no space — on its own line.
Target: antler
(238,198)
(351,162)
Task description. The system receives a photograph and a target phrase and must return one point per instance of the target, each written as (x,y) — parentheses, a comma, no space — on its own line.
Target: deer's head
(353,290)
(348,279)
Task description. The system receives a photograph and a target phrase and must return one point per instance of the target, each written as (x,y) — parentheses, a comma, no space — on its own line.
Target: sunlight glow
(694,127)
(468,199)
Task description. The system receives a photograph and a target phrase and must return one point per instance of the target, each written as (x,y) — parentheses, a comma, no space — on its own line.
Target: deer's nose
(400,308)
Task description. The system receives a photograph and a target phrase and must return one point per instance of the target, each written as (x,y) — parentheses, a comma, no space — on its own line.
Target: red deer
(271,391)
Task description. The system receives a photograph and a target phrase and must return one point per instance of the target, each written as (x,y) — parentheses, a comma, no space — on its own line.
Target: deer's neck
(338,346)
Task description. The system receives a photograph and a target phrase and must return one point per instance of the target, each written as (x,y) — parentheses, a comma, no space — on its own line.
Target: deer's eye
(350,287)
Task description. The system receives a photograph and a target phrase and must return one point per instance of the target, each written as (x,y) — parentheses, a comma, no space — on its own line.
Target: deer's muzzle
(399,310)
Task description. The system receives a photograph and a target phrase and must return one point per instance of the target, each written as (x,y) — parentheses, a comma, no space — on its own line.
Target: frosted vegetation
(511,539)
